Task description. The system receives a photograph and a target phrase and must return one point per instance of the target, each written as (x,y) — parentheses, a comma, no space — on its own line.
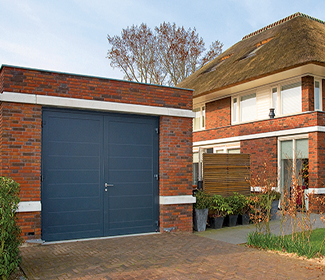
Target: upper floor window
(291,98)
(317,96)
(199,119)
(244,108)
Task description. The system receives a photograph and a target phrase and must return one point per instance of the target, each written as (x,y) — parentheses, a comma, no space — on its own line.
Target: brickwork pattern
(307,93)
(92,88)
(317,160)
(175,169)
(161,256)
(218,113)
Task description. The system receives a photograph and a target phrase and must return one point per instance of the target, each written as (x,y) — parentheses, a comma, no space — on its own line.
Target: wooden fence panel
(226,173)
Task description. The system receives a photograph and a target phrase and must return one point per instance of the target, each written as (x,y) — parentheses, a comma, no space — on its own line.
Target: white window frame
(288,138)
(202,120)
(238,111)
(319,80)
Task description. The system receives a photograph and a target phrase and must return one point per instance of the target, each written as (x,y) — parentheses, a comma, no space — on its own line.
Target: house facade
(95,157)
(265,96)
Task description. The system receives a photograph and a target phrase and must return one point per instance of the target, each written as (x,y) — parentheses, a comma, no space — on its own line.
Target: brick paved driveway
(160,256)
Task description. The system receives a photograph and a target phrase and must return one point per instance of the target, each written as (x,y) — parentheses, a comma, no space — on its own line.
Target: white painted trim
(278,133)
(76,103)
(176,199)
(29,206)
(316,191)
(95,238)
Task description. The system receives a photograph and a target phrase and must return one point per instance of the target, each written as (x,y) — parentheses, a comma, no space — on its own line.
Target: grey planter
(274,209)
(232,220)
(200,219)
(245,219)
(217,222)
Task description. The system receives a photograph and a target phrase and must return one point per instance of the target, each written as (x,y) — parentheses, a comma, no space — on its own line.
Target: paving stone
(160,256)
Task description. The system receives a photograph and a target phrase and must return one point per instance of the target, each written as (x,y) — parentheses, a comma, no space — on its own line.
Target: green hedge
(9,231)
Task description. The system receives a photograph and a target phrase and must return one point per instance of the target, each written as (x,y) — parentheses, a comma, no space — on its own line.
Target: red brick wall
(85,87)
(269,125)
(307,93)
(175,170)
(218,113)
(317,160)
(263,157)
(176,218)
(20,136)
(21,156)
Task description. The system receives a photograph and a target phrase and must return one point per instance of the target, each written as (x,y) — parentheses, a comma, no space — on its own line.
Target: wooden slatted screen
(226,173)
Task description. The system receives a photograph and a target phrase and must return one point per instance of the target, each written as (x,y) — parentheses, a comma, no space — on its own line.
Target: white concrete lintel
(29,206)
(316,191)
(177,199)
(76,103)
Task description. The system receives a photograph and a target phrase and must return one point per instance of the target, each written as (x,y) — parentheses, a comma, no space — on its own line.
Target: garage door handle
(108,185)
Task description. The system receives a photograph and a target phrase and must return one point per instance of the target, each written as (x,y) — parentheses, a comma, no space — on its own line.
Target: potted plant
(201,209)
(218,210)
(244,209)
(275,196)
(235,204)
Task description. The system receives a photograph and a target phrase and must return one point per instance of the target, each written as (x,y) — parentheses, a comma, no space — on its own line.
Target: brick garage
(25,93)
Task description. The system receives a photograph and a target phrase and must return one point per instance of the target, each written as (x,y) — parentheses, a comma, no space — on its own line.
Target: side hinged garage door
(99,174)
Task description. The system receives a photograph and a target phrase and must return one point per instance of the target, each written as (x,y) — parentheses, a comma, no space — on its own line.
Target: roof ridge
(280,22)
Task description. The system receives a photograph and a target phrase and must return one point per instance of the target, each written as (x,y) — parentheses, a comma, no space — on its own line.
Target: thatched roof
(288,43)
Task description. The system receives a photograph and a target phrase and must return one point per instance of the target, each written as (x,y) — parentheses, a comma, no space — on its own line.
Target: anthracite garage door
(99,174)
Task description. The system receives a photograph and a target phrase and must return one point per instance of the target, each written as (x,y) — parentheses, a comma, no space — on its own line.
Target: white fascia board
(29,206)
(176,199)
(67,102)
(278,133)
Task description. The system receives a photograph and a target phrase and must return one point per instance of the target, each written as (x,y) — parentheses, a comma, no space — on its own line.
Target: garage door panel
(138,132)
(73,162)
(129,201)
(71,149)
(130,150)
(73,176)
(76,128)
(81,151)
(77,217)
(73,190)
(127,176)
(131,163)
(130,214)
(131,189)
(73,204)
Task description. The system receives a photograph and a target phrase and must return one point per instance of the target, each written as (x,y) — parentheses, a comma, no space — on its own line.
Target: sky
(70,36)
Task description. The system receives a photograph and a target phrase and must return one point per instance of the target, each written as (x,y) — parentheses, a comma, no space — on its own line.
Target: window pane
(195,157)
(248,107)
(274,99)
(195,172)
(302,148)
(209,151)
(234,110)
(317,96)
(196,120)
(233,151)
(291,98)
(286,150)
(203,117)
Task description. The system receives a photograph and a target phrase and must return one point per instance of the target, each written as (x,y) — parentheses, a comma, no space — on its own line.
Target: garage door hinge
(156,176)
(43,123)
(42,178)
(157,130)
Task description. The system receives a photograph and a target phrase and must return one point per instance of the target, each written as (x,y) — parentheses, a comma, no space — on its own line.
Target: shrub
(203,200)
(9,231)
(219,207)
